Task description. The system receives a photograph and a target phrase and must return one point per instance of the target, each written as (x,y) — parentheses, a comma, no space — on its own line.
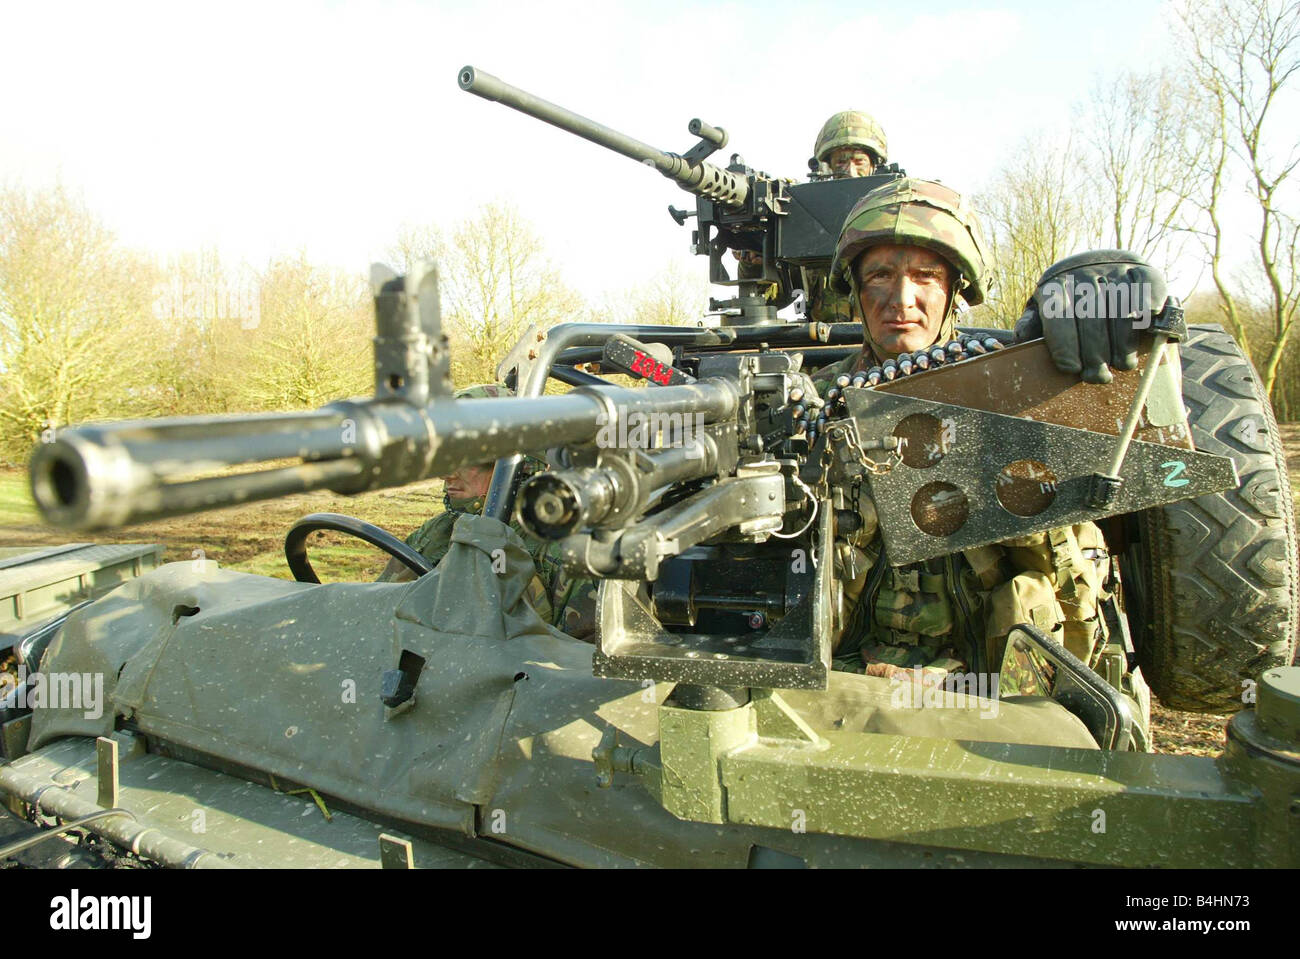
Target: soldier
(851,144)
(463,492)
(909,251)
(560,599)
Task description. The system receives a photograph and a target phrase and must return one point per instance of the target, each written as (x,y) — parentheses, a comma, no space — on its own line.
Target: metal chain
(823,478)
(849,435)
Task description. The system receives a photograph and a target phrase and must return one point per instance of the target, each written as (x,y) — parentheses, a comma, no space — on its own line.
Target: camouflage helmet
(852,128)
(921,213)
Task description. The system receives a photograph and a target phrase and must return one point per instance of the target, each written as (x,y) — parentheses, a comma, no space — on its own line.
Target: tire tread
(1222,568)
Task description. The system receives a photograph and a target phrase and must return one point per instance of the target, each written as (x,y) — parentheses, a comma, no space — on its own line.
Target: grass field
(251,539)
(16,507)
(248,538)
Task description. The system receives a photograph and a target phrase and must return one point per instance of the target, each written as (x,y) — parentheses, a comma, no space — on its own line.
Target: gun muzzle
(95,477)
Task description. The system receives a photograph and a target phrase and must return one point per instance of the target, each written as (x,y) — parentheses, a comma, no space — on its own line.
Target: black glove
(1090,309)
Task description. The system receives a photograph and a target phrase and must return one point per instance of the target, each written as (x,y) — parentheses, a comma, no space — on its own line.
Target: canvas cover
(285,677)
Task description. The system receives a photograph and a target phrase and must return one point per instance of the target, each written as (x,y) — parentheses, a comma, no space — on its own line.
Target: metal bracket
(1171,321)
(522,357)
(106,769)
(14,735)
(970,477)
(395,853)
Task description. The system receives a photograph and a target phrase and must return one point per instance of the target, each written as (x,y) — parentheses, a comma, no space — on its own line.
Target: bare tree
(1039,209)
(672,297)
(496,281)
(415,242)
(1142,146)
(1209,114)
(196,299)
(1245,55)
(310,346)
(71,304)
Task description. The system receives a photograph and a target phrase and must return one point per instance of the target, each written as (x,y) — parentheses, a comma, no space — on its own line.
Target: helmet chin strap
(466,504)
(959,285)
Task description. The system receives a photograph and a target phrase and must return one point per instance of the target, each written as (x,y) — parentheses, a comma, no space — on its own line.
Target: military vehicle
(38,584)
(241,720)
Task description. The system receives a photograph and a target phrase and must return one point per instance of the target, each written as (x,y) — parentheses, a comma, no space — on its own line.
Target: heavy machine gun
(792,227)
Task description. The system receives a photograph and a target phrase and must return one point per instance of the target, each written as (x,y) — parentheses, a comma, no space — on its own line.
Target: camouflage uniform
(433,538)
(953,613)
(825,305)
(560,599)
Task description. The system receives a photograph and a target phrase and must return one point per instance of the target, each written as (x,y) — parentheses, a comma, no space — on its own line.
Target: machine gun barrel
(99,476)
(699,176)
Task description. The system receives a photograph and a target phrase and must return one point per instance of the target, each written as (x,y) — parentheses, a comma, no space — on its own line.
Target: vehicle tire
(1211,582)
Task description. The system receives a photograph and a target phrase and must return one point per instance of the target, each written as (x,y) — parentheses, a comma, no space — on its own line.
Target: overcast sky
(264,128)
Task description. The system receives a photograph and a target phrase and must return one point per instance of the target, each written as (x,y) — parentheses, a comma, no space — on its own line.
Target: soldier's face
(847,162)
(903,292)
(470,482)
